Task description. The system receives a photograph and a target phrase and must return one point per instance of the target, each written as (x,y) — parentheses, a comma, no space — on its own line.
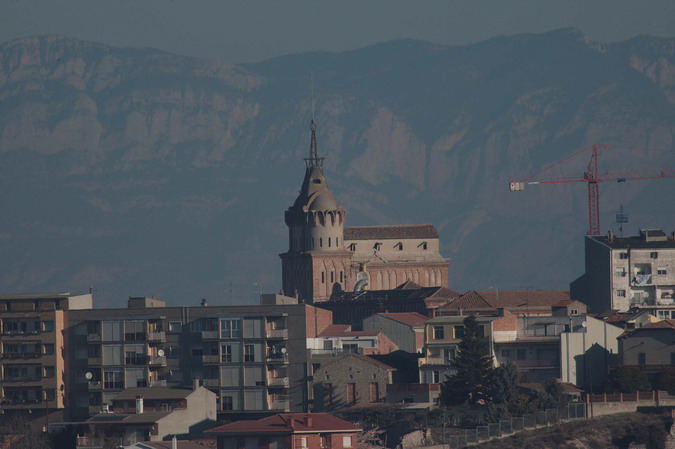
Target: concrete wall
(199,415)
(655,344)
(401,334)
(586,356)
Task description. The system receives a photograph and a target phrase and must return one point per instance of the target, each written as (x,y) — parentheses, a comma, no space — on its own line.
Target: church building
(326,258)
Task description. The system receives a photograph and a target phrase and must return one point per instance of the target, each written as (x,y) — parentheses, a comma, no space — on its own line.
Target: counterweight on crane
(592,178)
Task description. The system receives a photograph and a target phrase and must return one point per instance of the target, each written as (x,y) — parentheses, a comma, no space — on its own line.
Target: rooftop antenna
(311,81)
(621,218)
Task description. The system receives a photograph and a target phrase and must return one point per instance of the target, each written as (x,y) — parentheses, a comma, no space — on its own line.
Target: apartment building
(624,273)
(32,364)
(253,357)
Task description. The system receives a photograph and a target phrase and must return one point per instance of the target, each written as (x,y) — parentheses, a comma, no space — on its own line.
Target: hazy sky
(251,30)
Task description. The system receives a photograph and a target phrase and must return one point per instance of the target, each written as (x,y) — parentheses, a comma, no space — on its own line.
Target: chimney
(308,420)
(204,304)
(174,442)
(139,404)
(610,236)
(196,384)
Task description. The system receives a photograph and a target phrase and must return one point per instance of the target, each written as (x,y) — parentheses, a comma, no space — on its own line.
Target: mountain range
(139,172)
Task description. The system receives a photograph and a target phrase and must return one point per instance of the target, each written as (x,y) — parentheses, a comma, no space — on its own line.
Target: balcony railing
(94,385)
(157,336)
(277,333)
(210,359)
(335,351)
(93,337)
(277,357)
(157,361)
(138,359)
(17,356)
(209,335)
(158,383)
(280,382)
(281,405)
(210,383)
(434,361)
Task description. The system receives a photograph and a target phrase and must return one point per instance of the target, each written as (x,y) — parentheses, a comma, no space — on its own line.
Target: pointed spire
(313,160)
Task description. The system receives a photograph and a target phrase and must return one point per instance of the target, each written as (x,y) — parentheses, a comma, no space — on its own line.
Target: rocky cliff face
(141,172)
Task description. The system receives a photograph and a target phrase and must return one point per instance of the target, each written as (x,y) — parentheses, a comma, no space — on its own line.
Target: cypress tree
(473,363)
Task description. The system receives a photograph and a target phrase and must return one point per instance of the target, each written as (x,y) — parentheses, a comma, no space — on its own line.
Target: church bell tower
(316,263)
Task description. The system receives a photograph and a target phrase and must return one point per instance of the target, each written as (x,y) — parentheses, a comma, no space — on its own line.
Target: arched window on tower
(323,277)
(329,242)
(321,242)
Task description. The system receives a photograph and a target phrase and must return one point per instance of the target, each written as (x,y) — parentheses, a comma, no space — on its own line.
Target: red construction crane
(592,178)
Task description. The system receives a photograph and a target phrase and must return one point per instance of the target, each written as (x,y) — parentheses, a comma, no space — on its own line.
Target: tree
(626,379)
(473,363)
(665,380)
(504,383)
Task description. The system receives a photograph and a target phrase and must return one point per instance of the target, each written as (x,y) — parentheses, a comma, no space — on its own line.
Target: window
(327,394)
(226,356)
(321,242)
(642,358)
(374,392)
(230,328)
(620,272)
(175,327)
(621,293)
(623,256)
(439,332)
(325,440)
(435,377)
(346,441)
(521,354)
(424,246)
(449,354)
(48,326)
(228,403)
(341,277)
(351,393)
(662,271)
(134,330)
(48,348)
(175,352)
(654,255)
(352,247)
(323,277)
(399,246)
(332,277)
(506,353)
(459,331)
(574,312)
(377,246)
(329,245)
(303,442)
(249,353)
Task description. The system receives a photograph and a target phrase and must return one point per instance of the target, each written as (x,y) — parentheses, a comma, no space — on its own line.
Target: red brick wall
(317,320)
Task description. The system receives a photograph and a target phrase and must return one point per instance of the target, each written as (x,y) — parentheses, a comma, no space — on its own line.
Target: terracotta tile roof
(287,423)
(664,324)
(470,301)
(167,445)
(420,231)
(525,298)
(413,319)
(395,295)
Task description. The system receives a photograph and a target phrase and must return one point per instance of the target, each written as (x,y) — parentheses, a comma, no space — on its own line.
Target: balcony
(157,361)
(278,358)
(157,383)
(434,361)
(281,405)
(95,385)
(209,335)
(92,338)
(19,356)
(279,382)
(210,359)
(15,403)
(335,351)
(157,337)
(94,361)
(211,383)
(281,334)
(137,359)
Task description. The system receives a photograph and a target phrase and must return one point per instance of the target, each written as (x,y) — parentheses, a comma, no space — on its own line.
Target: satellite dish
(88,375)
(584,324)
(645,295)
(160,353)
(283,350)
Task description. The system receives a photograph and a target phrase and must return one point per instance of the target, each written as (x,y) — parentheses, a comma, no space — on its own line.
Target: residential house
(340,338)
(405,329)
(289,431)
(649,347)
